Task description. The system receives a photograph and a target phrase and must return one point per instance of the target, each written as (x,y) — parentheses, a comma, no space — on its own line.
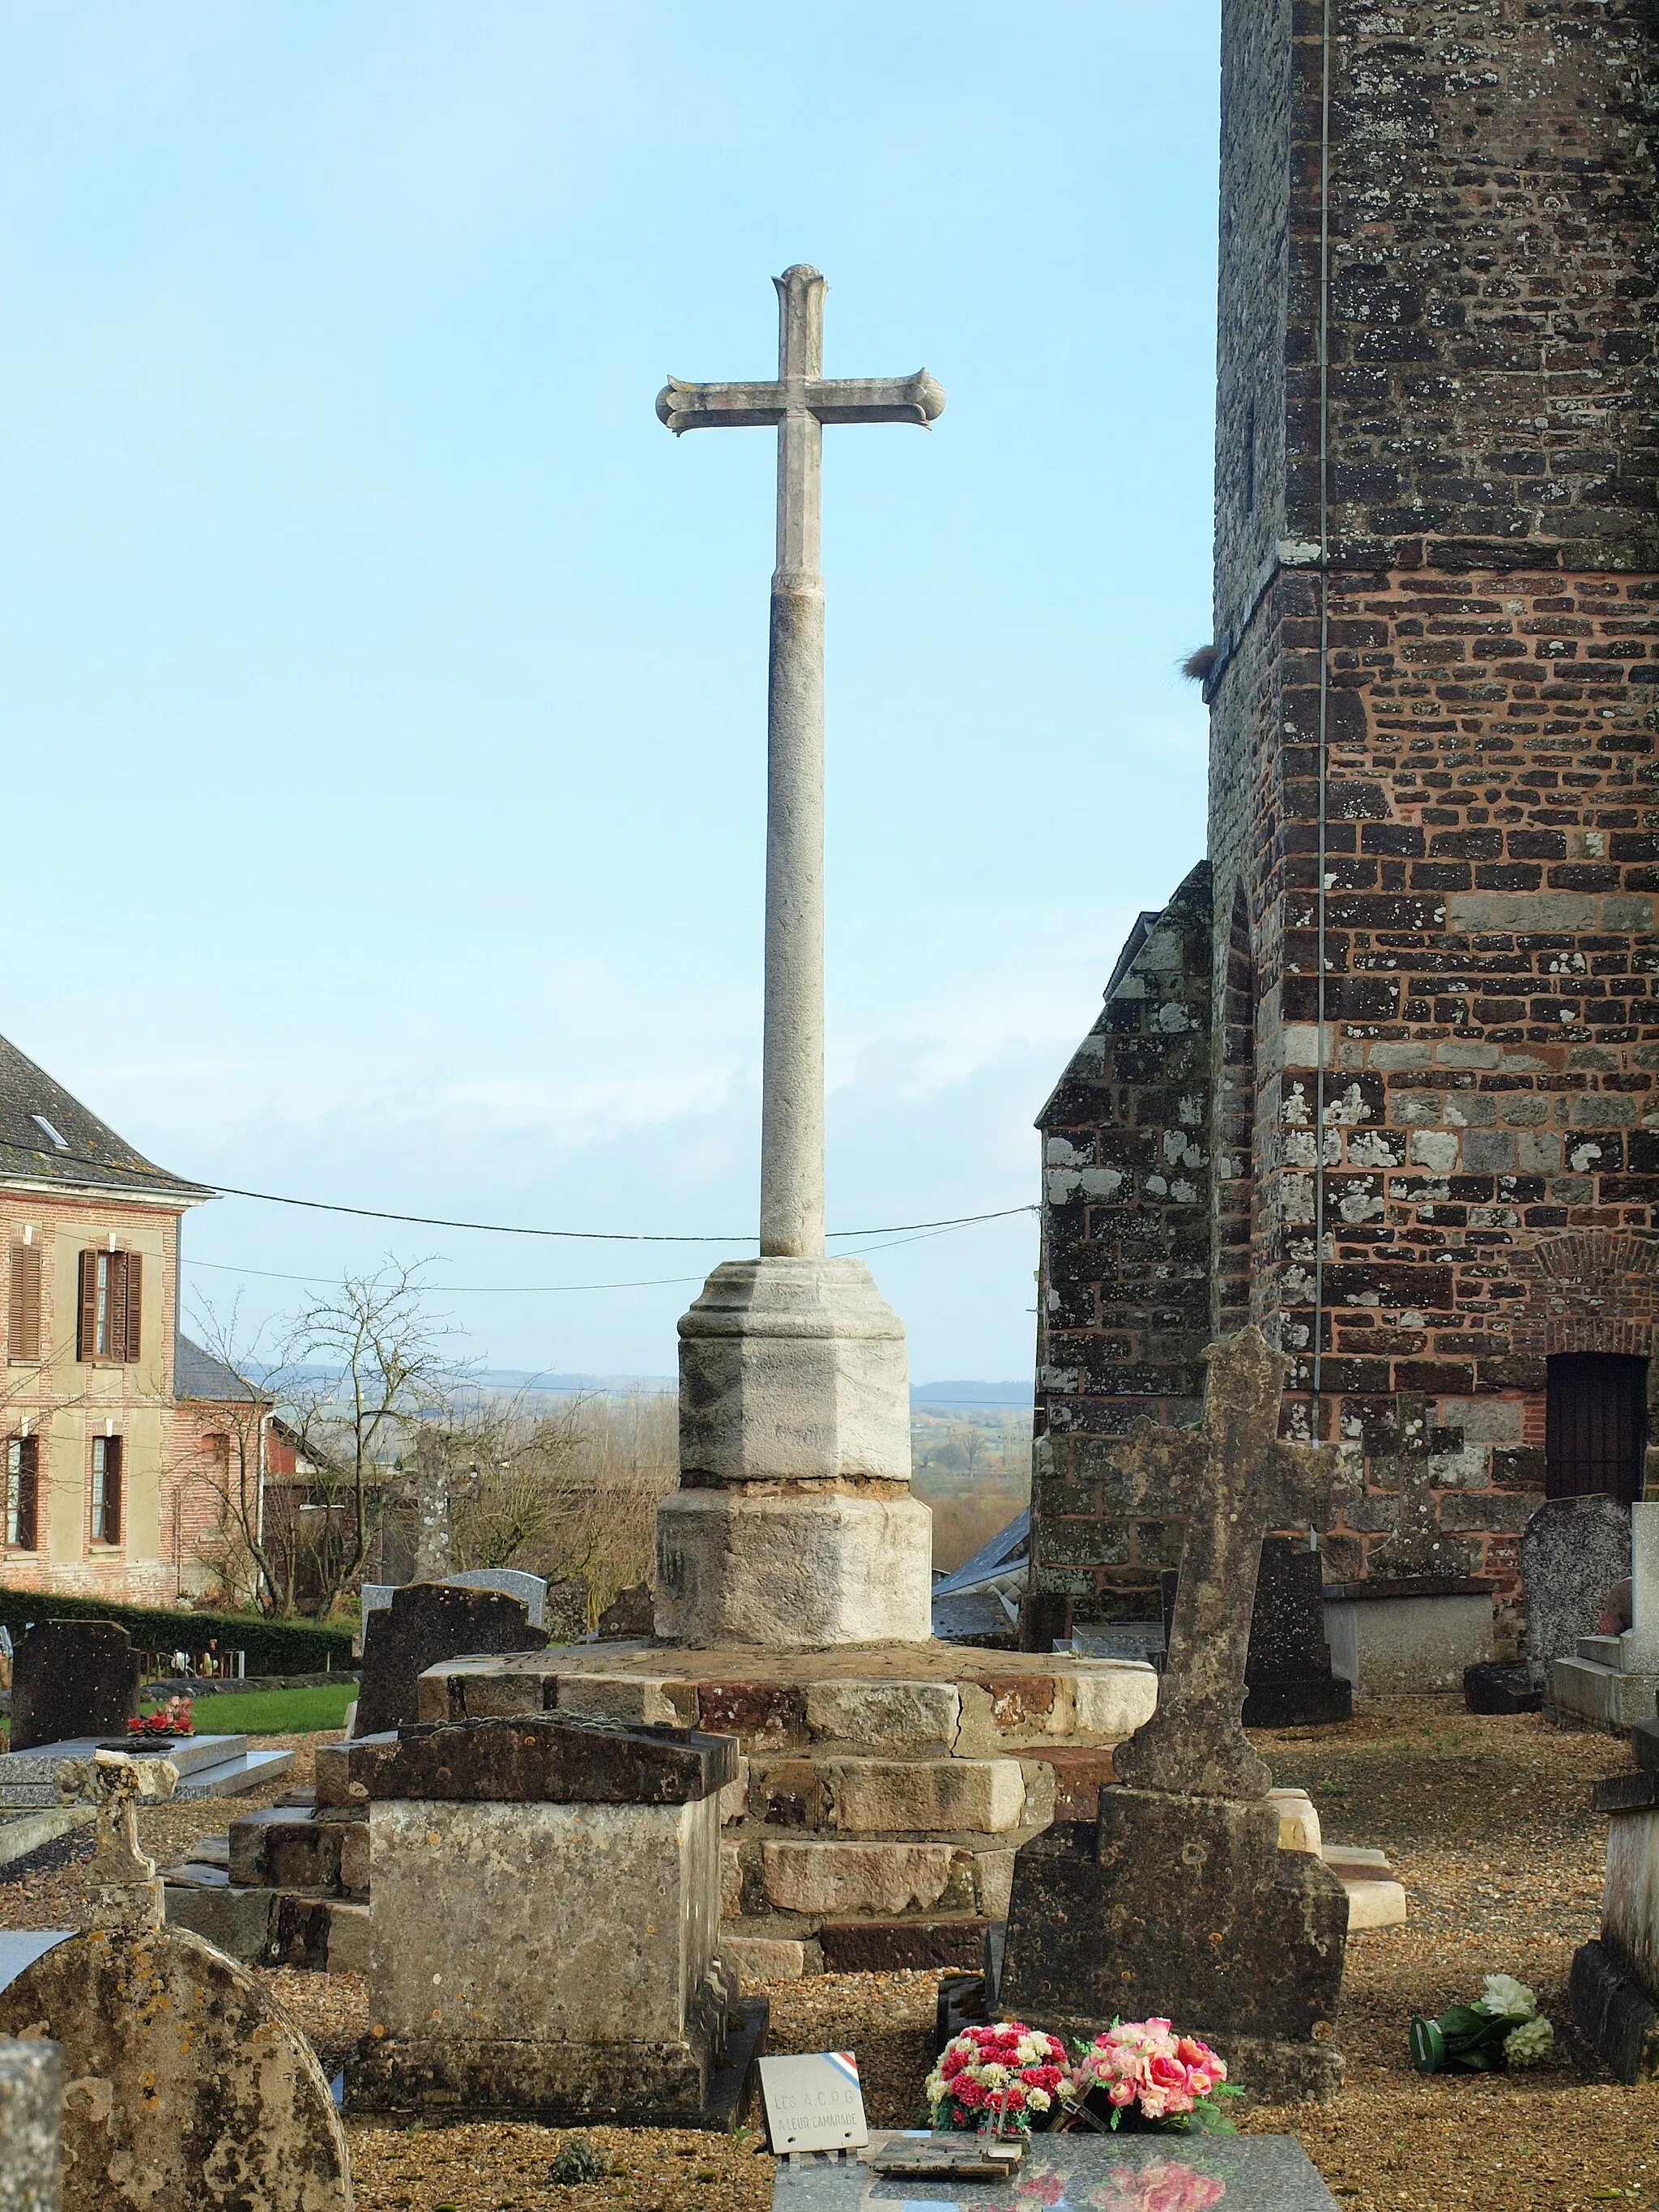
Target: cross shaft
(798,405)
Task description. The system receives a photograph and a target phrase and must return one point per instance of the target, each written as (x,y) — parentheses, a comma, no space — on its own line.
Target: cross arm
(1299,1479)
(709,406)
(1165,1465)
(917,399)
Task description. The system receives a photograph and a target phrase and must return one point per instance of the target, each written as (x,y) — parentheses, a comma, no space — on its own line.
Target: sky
(387,689)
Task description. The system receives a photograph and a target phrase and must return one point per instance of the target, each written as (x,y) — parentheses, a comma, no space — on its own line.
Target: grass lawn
(275,1712)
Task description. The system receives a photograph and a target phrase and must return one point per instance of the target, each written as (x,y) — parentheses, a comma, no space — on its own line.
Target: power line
(500,1228)
(537,1290)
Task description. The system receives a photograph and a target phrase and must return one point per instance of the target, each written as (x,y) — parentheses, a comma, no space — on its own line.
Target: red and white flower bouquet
(1009,2072)
(176,1717)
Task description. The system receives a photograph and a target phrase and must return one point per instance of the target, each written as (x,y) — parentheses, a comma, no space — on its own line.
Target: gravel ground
(1488,1822)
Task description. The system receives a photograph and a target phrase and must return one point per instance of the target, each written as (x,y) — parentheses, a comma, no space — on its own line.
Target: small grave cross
(1235,1480)
(799,404)
(125,1894)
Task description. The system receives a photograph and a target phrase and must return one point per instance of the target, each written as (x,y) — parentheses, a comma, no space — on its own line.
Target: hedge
(273,1647)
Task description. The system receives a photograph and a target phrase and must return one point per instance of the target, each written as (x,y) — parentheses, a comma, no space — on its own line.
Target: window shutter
(133,1272)
(86,1334)
(23,1332)
(112,1455)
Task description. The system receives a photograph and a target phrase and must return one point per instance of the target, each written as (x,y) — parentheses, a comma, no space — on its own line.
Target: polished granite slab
(1077,2173)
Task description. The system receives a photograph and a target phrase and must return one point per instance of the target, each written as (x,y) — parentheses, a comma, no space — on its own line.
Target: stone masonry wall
(1124,1288)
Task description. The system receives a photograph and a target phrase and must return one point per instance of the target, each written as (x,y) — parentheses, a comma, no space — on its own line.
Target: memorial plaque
(814,2102)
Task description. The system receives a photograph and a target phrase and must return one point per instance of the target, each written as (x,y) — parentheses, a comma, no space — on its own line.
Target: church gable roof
(47,1136)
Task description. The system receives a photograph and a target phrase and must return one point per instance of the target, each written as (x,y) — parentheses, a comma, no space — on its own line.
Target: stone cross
(1236,1481)
(799,403)
(125,1896)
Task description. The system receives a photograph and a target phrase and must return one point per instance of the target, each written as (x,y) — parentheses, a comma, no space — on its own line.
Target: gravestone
(547,1899)
(1177,1900)
(189,2086)
(1573,1551)
(1288,1681)
(424,1623)
(72,1678)
(512,1582)
(31,2126)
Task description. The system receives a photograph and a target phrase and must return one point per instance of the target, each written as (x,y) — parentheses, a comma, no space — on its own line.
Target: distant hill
(973,1394)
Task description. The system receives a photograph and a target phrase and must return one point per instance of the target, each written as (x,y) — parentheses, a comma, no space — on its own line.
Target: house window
(107,1490)
(23,1320)
(1595,1425)
(23,1491)
(112,1306)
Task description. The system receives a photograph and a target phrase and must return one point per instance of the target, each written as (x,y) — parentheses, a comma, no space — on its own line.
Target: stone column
(794,1525)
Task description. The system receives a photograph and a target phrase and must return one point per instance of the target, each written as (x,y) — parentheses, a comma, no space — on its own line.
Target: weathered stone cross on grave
(1237,1479)
(794,1525)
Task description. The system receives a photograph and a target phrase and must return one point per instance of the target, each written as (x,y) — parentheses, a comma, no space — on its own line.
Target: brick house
(114,1425)
(1383,1074)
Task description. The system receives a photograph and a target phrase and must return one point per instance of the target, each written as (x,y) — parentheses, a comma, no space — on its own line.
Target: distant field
(275,1712)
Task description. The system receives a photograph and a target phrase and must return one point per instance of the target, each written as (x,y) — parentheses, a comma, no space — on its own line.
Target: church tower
(1426,966)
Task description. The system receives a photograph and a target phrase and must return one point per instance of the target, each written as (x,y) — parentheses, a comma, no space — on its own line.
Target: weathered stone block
(792,1572)
(883,1715)
(890,1796)
(886,1946)
(820,1878)
(766,1958)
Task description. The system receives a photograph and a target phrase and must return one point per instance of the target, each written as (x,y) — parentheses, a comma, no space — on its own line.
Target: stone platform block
(837,1879)
(769,1958)
(885,1716)
(886,1947)
(888,1796)
(1602,1697)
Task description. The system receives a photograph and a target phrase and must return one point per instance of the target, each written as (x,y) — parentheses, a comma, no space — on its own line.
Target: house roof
(1003,1555)
(47,1136)
(197,1374)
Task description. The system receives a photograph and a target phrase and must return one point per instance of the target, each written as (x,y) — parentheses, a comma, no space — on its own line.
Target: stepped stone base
(882,1791)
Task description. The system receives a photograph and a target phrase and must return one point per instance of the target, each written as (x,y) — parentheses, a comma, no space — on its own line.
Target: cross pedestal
(794,1526)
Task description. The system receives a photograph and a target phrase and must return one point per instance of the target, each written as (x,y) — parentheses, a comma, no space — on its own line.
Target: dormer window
(42,1123)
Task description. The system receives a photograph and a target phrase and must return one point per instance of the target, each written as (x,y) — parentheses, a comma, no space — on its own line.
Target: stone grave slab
(187,2083)
(1116,2173)
(1573,1551)
(31,2126)
(72,1678)
(207,1766)
(424,1623)
(547,1900)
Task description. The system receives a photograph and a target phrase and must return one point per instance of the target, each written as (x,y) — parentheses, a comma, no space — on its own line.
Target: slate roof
(89,1155)
(197,1374)
(1003,1553)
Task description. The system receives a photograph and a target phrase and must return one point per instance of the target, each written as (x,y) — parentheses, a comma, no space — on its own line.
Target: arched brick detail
(1592,1289)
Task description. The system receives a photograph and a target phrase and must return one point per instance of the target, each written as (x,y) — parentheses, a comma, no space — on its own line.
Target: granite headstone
(72,1679)
(1573,1553)
(424,1623)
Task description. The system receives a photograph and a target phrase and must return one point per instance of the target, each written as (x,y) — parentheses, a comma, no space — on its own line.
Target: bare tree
(246,1561)
(358,1369)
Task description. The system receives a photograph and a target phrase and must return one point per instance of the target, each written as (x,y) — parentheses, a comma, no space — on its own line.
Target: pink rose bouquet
(1141,2069)
(1009,2071)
